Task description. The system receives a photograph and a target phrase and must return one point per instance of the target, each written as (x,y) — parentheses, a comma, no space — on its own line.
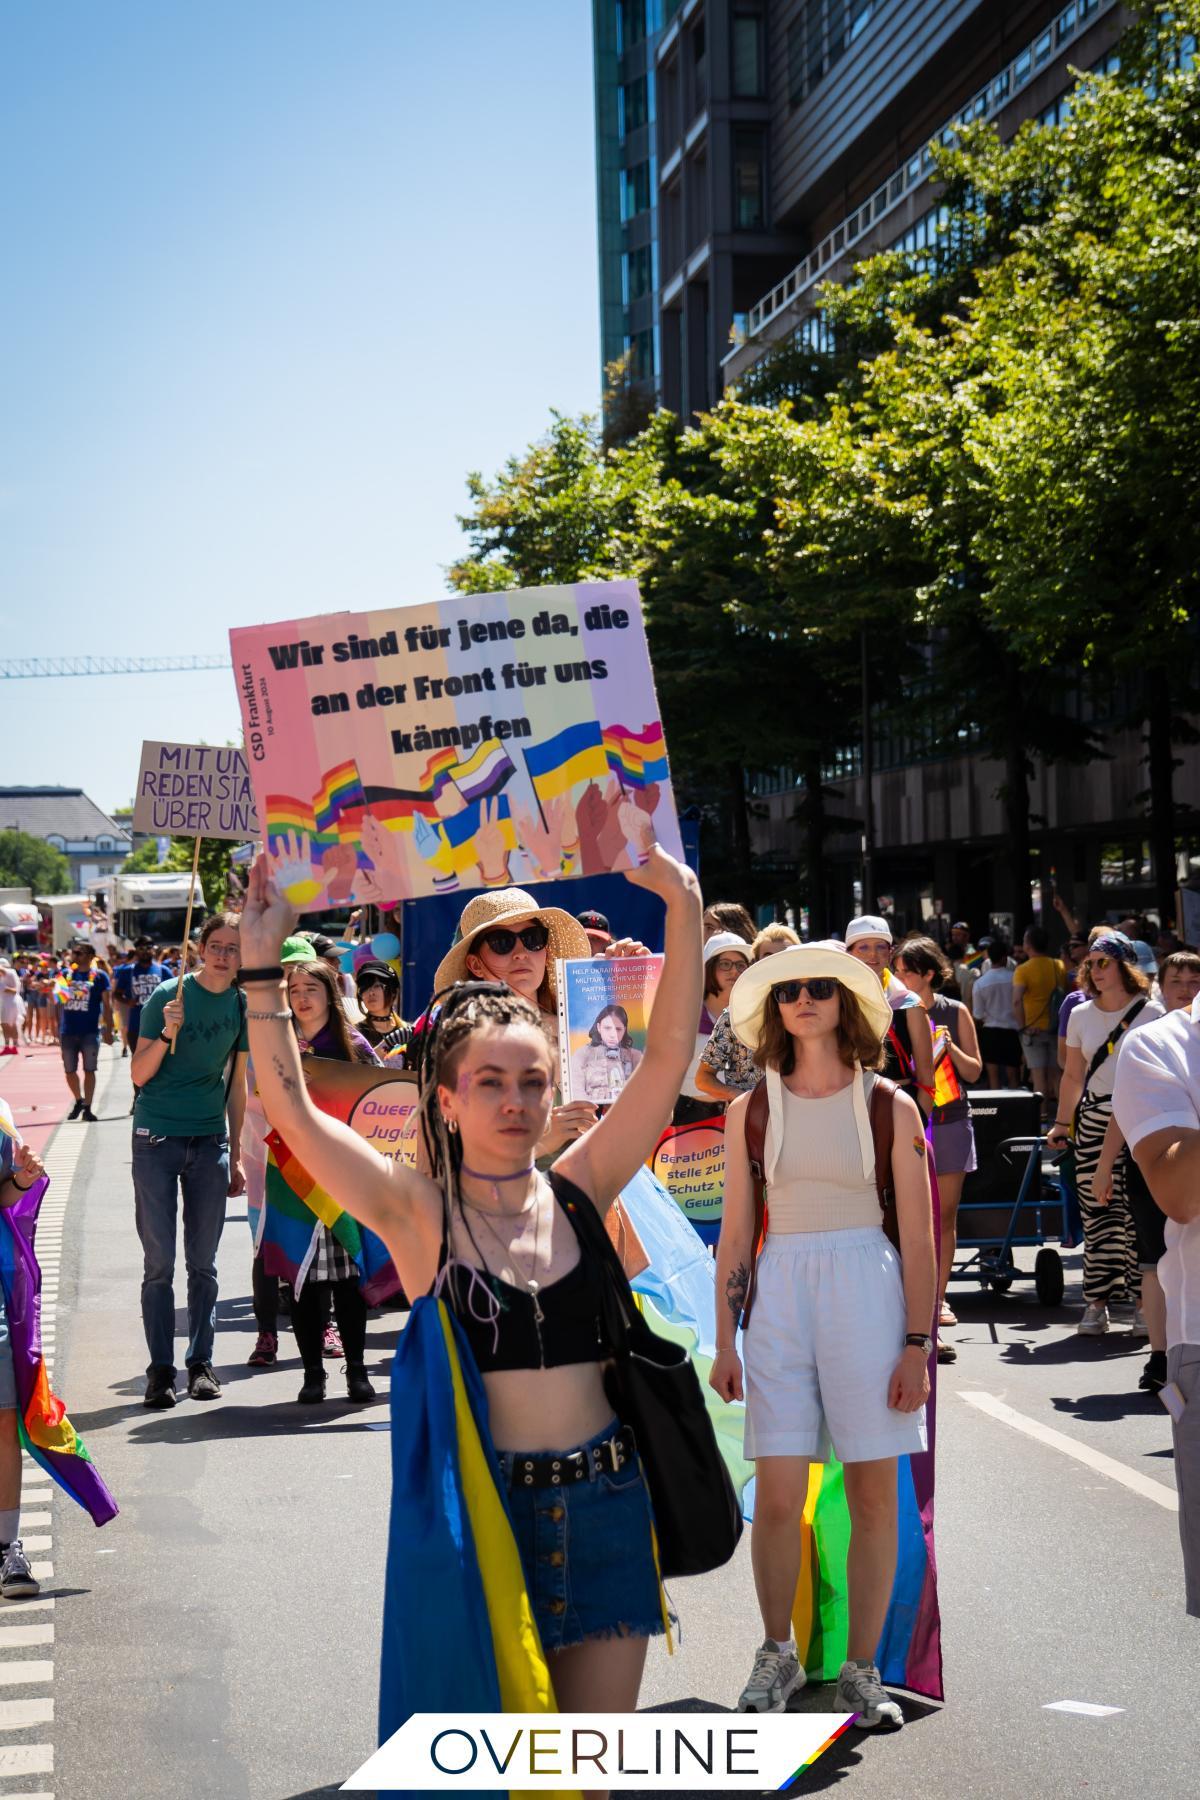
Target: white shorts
(825,1334)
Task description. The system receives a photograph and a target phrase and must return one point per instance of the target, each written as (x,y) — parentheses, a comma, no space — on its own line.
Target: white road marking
(1136,1482)
(34,1519)
(26,1759)
(12,1673)
(1088,1708)
(24,1637)
(39,1541)
(14,1609)
(15,1715)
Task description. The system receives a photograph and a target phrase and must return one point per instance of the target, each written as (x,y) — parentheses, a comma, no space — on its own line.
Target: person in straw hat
(837,1351)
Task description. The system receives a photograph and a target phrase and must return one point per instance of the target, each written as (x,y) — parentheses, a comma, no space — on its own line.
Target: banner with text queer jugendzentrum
(479,741)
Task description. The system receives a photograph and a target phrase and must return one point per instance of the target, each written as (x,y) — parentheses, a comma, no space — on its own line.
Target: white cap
(868,926)
(726,940)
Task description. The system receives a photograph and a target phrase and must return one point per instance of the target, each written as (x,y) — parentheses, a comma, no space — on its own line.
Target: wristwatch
(919,1342)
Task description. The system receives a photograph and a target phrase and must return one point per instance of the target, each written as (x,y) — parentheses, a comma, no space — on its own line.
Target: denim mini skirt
(587,1553)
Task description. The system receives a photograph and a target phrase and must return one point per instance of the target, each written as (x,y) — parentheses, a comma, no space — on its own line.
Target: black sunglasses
(503,943)
(820,987)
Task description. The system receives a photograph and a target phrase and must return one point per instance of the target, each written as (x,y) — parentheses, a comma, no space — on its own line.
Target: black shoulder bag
(653,1386)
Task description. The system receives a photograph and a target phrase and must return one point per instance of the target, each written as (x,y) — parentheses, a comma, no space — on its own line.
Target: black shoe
(313,1391)
(202,1383)
(160,1389)
(88,1116)
(76,1111)
(357,1385)
(1154,1375)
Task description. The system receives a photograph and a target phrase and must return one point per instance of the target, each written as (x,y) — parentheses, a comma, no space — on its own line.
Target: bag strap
(757,1114)
(1110,1043)
(622,1315)
(883,1132)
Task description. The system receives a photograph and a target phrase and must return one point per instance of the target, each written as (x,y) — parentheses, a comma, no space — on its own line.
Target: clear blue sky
(278,274)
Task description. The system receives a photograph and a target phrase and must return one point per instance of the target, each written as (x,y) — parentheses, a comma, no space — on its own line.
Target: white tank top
(818,1180)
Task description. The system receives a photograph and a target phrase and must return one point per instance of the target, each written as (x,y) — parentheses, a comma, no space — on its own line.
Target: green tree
(27,861)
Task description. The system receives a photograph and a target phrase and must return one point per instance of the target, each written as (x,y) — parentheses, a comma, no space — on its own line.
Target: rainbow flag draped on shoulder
(45,1430)
(457,1618)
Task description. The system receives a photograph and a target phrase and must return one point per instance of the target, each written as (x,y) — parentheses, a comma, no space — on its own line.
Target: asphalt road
(220,1638)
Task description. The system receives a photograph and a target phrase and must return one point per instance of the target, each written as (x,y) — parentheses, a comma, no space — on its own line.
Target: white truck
(18,921)
(63,918)
(153,906)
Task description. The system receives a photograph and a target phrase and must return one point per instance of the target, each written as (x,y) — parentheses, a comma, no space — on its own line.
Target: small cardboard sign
(194,790)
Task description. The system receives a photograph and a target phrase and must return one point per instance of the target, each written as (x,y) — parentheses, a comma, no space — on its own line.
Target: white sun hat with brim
(507,909)
(868,925)
(725,940)
(747,1002)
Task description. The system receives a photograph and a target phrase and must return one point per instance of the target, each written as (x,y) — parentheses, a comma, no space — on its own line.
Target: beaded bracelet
(267,1015)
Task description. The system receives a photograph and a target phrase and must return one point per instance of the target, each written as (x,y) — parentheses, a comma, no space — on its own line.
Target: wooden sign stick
(187,928)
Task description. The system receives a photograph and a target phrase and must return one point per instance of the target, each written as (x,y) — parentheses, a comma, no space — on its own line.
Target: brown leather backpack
(882,1130)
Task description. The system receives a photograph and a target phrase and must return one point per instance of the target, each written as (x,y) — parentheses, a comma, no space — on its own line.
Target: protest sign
(478,741)
(690,1162)
(604,1006)
(380,1103)
(194,790)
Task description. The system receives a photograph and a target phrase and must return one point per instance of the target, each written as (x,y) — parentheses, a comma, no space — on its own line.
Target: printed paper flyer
(604,1006)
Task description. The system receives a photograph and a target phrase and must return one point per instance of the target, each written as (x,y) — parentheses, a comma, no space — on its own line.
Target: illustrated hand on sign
(544,843)
(491,845)
(292,870)
(387,854)
(601,837)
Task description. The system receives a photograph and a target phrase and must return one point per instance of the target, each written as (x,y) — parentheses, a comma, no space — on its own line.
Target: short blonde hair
(774,933)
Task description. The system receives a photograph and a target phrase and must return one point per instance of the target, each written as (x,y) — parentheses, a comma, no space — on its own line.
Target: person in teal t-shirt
(187,1129)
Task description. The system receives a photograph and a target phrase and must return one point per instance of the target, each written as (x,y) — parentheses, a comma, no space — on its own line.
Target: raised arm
(603,1161)
(392,1200)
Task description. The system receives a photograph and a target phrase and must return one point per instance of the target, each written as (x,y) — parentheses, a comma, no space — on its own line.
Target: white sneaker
(775,1675)
(861,1691)
(1139,1327)
(1094,1322)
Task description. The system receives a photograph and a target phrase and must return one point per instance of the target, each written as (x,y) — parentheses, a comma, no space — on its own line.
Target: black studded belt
(575,1465)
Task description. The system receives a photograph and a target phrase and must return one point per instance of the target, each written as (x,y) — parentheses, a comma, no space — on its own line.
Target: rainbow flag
(286,815)
(294,1213)
(340,791)
(44,1429)
(636,758)
(576,754)
(457,1618)
(946,1085)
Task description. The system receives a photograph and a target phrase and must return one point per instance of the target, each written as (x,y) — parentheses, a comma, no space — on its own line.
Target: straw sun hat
(508,909)
(747,1002)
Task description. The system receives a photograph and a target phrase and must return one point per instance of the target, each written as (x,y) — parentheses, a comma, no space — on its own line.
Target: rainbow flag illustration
(43,1426)
(480,776)
(946,1085)
(295,1211)
(287,815)
(636,758)
(340,791)
(457,1617)
(576,754)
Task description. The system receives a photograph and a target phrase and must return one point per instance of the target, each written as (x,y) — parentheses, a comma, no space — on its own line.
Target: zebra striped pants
(1111,1269)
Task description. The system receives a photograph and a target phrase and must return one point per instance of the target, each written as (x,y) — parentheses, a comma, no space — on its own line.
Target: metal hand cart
(993,1228)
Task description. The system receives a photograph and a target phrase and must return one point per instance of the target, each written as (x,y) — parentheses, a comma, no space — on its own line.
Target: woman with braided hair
(495,1237)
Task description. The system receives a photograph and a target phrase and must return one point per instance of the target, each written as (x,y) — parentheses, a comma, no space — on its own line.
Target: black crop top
(503,1330)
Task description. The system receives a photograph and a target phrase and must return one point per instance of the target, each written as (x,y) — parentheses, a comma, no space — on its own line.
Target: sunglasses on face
(1100,962)
(819,987)
(503,943)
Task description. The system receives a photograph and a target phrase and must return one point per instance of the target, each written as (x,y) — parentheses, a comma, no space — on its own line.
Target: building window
(639,273)
(631,24)
(640,349)
(747,54)
(637,104)
(697,72)
(819,37)
(749,180)
(635,190)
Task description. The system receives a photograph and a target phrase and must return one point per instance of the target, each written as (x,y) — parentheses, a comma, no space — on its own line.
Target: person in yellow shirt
(1036,984)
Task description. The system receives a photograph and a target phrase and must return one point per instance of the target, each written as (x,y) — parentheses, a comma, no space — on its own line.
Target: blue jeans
(162,1167)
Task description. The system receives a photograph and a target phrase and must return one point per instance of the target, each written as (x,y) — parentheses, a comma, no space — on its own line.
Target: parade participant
(182,1144)
(504,935)
(1037,983)
(728,915)
(12,1008)
(608,1059)
(1156,1103)
(133,985)
(322,1028)
(599,934)
(726,956)
(727,1068)
(20,1168)
(497,1238)
(1118,1003)
(909,1055)
(992,1010)
(86,1017)
(922,968)
(378,988)
(1180,982)
(836,1328)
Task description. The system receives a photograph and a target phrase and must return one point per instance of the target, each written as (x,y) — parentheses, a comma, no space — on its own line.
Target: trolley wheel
(1048,1277)
(1000,1275)
(1000,1284)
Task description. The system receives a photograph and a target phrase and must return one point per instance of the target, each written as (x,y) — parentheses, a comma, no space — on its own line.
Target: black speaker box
(989,1193)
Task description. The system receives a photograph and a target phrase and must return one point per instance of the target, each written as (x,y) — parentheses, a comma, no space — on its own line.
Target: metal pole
(868,770)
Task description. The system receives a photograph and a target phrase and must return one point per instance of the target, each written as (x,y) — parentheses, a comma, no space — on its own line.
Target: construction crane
(32,667)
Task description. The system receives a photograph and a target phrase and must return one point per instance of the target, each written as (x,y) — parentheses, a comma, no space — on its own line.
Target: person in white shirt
(992,1007)
(1156,1103)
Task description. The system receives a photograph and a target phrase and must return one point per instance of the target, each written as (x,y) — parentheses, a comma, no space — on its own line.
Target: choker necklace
(518,1175)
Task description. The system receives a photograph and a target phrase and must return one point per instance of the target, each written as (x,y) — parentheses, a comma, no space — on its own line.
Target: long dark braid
(455,1015)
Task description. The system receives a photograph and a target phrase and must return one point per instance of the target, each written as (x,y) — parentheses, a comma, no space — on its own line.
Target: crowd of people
(805,1046)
